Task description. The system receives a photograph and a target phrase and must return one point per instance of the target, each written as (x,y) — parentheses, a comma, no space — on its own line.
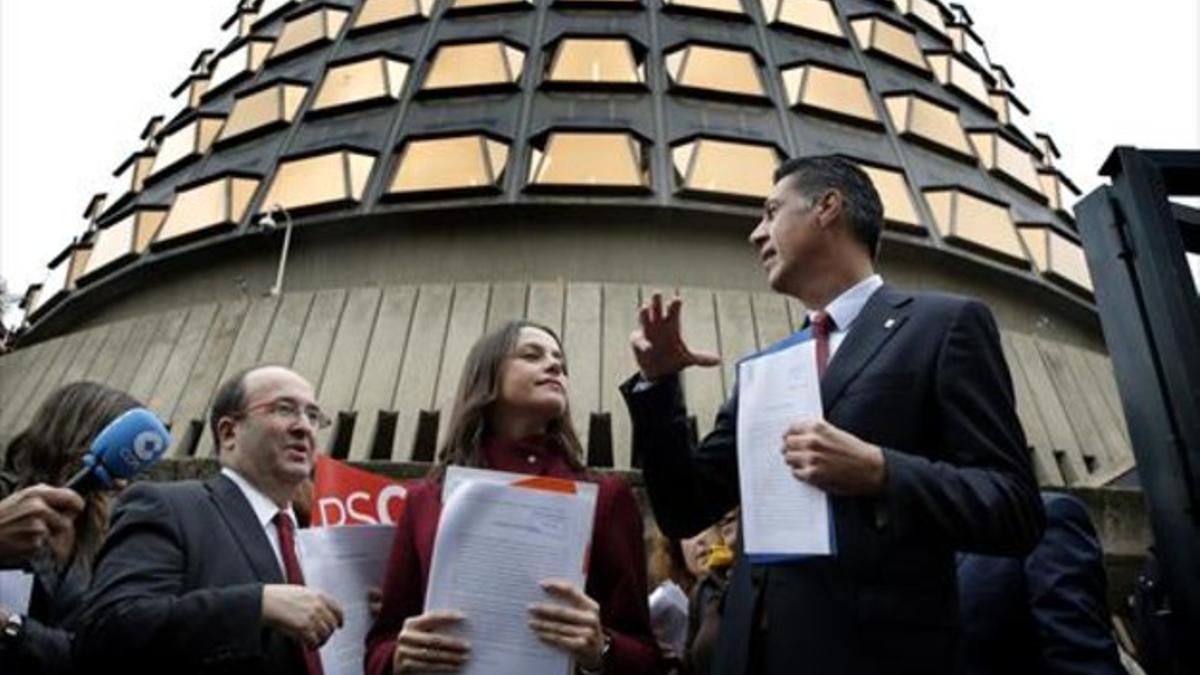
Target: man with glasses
(205,576)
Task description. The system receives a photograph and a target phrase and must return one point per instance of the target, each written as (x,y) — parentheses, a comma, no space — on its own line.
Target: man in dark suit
(204,577)
(1045,614)
(920,449)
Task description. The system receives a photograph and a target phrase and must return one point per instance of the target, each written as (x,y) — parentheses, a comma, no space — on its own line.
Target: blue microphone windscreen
(130,443)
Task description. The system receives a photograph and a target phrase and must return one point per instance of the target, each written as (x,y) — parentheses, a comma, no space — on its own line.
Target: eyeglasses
(290,411)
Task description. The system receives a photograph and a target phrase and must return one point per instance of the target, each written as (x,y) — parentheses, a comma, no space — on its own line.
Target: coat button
(532,459)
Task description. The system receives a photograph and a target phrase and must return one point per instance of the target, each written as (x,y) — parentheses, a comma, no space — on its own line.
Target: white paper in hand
(781,516)
(495,544)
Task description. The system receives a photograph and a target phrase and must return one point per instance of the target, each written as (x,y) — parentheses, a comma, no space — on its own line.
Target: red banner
(344,495)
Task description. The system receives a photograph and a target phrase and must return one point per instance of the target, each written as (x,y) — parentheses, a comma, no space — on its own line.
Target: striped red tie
(291,566)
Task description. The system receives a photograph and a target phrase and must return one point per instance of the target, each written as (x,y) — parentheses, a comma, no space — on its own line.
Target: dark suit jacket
(1045,614)
(922,376)
(178,584)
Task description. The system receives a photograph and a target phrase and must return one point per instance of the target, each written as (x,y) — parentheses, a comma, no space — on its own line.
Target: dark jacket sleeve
(43,649)
(139,608)
(979,495)
(1066,586)
(690,486)
(403,596)
(618,582)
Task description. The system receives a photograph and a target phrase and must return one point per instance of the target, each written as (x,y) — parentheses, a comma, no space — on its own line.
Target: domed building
(359,189)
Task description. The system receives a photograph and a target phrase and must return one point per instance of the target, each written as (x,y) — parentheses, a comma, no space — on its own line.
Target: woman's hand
(575,627)
(421,646)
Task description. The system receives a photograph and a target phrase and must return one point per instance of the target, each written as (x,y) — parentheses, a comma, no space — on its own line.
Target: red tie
(822,325)
(291,567)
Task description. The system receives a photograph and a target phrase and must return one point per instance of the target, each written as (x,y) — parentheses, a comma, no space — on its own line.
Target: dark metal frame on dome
(1135,240)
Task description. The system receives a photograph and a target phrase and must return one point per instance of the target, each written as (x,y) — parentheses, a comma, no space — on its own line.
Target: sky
(80,78)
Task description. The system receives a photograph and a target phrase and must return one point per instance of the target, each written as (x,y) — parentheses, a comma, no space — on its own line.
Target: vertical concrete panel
(1036,435)
(54,376)
(251,336)
(1101,367)
(582,340)
(546,304)
(134,350)
(346,357)
(771,317)
(106,359)
(377,387)
(159,349)
(286,329)
(1071,395)
(206,371)
(507,303)
(1045,397)
(37,360)
(620,318)
(87,353)
(312,352)
(735,332)
(468,308)
(244,352)
(1093,400)
(702,387)
(179,365)
(422,359)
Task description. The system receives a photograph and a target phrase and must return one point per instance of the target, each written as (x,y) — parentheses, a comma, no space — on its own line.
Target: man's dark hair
(229,400)
(812,176)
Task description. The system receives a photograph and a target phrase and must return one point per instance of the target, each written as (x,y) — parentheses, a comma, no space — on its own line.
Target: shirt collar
(264,507)
(846,307)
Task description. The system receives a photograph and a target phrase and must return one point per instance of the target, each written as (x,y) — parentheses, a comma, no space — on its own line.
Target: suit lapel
(244,525)
(879,320)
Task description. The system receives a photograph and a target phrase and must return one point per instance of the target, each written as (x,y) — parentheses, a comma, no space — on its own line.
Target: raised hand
(422,646)
(574,627)
(305,613)
(657,343)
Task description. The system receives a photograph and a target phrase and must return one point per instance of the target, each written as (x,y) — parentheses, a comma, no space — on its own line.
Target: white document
(16,587)
(669,616)
(781,516)
(346,562)
(496,542)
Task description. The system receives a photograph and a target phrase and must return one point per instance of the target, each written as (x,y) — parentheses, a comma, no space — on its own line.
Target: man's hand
(31,516)
(833,460)
(301,612)
(657,344)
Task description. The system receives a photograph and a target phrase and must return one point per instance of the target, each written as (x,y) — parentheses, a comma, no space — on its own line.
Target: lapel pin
(889,323)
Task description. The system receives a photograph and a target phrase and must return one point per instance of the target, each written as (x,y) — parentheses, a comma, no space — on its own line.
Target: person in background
(59,531)
(511,414)
(1046,613)
(707,600)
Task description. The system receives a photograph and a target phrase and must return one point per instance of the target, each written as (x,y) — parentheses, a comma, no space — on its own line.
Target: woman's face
(532,378)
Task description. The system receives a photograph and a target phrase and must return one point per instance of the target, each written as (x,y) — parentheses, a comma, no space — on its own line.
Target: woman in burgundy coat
(511,414)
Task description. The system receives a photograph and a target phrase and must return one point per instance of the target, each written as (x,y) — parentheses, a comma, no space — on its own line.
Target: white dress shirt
(264,509)
(845,308)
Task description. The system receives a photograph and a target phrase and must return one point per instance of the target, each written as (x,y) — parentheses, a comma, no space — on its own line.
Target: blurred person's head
(667,563)
(696,550)
(51,449)
(513,385)
(265,420)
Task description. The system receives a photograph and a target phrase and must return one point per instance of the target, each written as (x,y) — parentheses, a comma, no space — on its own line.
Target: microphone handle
(84,481)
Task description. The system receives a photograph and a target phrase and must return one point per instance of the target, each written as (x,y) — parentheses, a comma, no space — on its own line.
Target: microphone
(123,449)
